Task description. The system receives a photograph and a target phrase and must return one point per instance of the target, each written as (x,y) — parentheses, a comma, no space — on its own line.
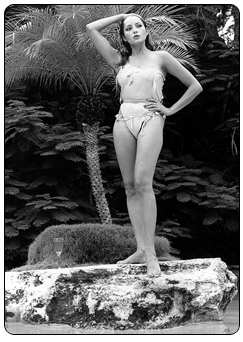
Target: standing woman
(138,130)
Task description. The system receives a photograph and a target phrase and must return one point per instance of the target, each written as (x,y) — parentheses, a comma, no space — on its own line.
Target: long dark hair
(126,49)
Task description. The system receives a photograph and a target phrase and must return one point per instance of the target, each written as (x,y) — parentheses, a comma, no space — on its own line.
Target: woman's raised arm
(100,42)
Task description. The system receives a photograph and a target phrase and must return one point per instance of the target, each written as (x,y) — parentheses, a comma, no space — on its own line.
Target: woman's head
(131,21)
(133,30)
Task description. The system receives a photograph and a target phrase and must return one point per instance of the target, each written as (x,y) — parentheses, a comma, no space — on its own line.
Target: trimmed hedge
(88,244)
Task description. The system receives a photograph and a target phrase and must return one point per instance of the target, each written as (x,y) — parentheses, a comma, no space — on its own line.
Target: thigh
(125,147)
(148,149)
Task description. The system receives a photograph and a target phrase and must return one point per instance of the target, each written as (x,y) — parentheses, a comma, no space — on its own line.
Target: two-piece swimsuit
(138,85)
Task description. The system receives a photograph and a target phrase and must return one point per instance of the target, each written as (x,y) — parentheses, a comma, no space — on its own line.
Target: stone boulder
(122,296)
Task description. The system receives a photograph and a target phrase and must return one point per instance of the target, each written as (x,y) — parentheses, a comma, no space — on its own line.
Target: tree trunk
(93,161)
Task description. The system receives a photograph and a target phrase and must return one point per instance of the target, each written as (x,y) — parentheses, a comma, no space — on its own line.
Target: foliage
(197,207)
(51,46)
(89,243)
(213,130)
(198,192)
(42,175)
(222,87)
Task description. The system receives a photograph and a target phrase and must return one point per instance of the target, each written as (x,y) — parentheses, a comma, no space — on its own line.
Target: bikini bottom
(135,116)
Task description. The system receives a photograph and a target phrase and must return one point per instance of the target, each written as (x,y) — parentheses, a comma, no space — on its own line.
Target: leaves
(10,231)
(216,178)
(211,217)
(11,190)
(41,219)
(21,225)
(63,216)
(232,223)
(36,196)
(183,196)
(201,192)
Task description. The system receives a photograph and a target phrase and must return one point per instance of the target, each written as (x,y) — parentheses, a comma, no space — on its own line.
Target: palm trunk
(93,161)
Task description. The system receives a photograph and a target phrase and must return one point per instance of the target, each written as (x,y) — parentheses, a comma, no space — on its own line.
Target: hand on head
(126,15)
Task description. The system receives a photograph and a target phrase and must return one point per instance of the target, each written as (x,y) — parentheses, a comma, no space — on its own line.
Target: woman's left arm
(174,67)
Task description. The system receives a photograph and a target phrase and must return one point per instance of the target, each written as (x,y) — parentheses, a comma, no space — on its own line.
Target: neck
(139,50)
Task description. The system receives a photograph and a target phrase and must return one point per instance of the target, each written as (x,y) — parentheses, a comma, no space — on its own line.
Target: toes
(154,274)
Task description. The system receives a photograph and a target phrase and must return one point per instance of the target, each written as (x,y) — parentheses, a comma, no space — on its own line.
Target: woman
(138,130)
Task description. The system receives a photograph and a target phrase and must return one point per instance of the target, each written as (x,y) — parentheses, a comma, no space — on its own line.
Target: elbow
(88,27)
(198,88)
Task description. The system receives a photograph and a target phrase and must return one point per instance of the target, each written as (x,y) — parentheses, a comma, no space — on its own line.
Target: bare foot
(136,258)
(153,268)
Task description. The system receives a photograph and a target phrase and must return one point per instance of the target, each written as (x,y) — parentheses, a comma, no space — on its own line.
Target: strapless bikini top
(140,83)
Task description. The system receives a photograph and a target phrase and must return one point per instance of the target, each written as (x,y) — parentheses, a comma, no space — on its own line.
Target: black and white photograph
(121,170)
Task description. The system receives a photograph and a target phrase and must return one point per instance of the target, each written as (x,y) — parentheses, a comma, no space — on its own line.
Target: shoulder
(160,56)
(164,55)
(168,62)
(163,59)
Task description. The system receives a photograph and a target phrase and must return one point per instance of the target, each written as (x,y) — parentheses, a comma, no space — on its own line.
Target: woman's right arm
(100,42)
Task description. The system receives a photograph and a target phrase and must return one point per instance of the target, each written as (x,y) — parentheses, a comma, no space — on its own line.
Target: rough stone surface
(122,297)
(205,328)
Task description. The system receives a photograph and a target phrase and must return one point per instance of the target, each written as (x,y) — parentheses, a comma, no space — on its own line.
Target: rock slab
(122,297)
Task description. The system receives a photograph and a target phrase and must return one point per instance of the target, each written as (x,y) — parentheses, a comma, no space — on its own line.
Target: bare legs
(137,160)
(135,215)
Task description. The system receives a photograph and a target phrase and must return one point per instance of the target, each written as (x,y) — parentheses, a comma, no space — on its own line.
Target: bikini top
(140,83)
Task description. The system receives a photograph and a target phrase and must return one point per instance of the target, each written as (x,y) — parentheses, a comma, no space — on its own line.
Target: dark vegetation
(197,176)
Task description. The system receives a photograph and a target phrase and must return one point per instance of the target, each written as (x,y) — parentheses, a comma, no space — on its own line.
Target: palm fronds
(51,47)
(44,47)
(167,30)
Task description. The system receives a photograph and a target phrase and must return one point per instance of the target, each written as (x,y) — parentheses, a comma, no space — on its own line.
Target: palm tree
(52,46)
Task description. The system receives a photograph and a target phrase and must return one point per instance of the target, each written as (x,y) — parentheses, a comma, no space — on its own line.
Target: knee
(130,189)
(142,186)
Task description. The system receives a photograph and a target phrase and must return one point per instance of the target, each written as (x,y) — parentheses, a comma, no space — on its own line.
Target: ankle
(150,252)
(141,250)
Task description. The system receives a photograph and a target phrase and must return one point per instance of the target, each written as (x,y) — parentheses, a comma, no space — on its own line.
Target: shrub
(88,243)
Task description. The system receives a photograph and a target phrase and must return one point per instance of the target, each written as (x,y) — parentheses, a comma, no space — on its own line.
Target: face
(134,30)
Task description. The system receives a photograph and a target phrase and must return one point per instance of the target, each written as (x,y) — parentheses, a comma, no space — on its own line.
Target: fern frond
(23,196)
(41,219)
(10,231)
(68,145)
(73,157)
(21,225)
(62,215)
(10,190)
(68,204)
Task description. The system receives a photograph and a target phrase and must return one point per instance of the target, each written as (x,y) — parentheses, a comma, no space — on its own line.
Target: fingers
(151,107)
(154,105)
(152,100)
